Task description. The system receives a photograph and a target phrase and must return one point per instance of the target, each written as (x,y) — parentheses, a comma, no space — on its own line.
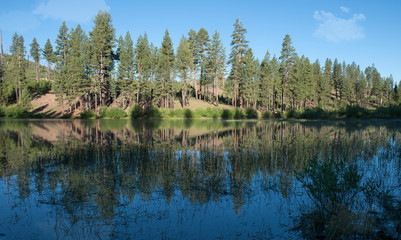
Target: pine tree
(2,68)
(250,77)
(35,53)
(306,86)
(287,66)
(48,54)
(183,63)
(77,64)
(62,44)
(153,63)
(350,81)
(337,78)
(324,84)
(202,46)
(142,66)
(360,87)
(216,63)
(239,46)
(374,83)
(265,82)
(17,50)
(102,39)
(125,73)
(165,70)
(317,78)
(192,47)
(60,83)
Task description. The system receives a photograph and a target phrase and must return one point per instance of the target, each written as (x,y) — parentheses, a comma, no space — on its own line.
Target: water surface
(185,179)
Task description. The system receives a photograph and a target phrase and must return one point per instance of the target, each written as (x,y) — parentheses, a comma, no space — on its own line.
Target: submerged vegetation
(345,205)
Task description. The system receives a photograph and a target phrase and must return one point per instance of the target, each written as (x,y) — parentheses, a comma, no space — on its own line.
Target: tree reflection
(97,173)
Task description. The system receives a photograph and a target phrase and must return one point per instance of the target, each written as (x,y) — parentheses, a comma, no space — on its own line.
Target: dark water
(199,179)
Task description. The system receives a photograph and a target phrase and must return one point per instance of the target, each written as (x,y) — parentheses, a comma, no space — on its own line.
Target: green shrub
(2,111)
(208,112)
(267,114)
(388,112)
(239,113)
(89,114)
(136,111)
(227,114)
(114,112)
(102,111)
(291,114)
(16,111)
(354,112)
(178,113)
(251,113)
(153,112)
(188,113)
(314,113)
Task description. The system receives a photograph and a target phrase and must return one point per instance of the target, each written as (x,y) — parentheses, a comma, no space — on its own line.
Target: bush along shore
(137,112)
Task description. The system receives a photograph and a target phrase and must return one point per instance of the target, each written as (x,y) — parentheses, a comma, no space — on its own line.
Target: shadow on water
(171,178)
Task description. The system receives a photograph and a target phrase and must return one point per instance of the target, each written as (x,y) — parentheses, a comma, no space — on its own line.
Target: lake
(199,179)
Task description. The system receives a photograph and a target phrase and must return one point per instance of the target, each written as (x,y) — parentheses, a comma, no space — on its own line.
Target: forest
(91,71)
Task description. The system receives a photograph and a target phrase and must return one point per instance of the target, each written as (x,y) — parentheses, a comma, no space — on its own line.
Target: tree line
(88,71)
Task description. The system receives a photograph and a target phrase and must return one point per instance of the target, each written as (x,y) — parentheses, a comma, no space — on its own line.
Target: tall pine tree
(17,50)
(102,40)
(216,63)
(125,73)
(48,54)
(60,83)
(35,53)
(288,59)
(184,63)
(239,46)
(165,69)
(142,67)
(78,82)
(202,46)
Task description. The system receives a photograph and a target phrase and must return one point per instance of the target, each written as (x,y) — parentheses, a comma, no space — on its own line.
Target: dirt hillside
(48,105)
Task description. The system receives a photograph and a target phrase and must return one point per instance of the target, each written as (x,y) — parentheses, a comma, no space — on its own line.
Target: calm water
(199,179)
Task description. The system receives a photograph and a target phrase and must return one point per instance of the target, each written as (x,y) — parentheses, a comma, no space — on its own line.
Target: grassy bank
(137,112)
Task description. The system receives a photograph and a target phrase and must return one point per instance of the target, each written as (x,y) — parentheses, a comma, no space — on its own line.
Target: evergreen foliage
(35,53)
(81,72)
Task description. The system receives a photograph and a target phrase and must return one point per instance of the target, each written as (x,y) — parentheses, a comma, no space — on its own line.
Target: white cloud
(79,11)
(337,29)
(344,9)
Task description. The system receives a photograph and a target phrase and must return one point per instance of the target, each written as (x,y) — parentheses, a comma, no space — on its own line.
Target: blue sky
(363,31)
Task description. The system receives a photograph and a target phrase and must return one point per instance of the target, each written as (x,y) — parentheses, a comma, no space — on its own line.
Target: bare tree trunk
(215,89)
(37,71)
(48,71)
(139,85)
